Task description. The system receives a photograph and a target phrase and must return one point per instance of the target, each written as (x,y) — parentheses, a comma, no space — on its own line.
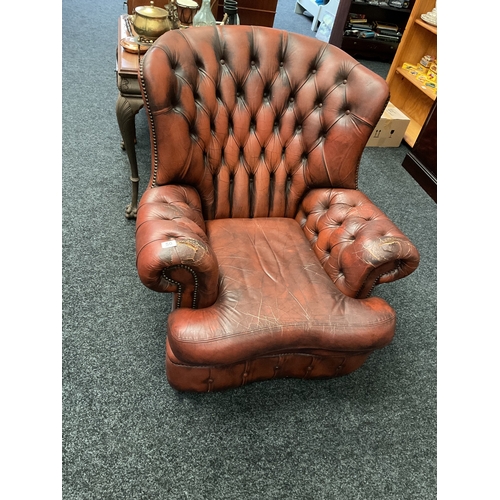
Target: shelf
(386,7)
(429,27)
(428,92)
(369,47)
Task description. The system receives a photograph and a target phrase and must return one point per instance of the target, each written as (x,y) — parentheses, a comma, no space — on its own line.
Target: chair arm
(358,245)
(172,248)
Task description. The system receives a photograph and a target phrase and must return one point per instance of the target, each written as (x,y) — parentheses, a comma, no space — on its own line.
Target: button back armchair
(252,217)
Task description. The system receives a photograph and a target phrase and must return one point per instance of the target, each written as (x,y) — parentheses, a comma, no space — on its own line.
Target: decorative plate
(432,20)
(130,44)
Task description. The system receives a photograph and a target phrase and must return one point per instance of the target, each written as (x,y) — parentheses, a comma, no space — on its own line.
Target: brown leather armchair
(252,217)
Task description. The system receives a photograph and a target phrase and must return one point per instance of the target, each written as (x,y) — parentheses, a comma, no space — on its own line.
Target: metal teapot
(150,22)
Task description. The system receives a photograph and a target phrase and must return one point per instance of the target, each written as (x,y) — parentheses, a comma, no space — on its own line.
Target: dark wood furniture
(253,12)
(421,161)
(128,104)
(369,48)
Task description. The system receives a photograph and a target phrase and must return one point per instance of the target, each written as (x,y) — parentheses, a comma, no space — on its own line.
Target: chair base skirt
(317,365)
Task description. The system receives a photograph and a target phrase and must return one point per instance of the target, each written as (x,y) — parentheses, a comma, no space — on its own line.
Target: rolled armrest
(358,245)
(172,249)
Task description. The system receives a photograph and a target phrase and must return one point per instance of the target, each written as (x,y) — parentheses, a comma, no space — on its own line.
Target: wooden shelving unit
(407,93)
(372,48)
(426,90)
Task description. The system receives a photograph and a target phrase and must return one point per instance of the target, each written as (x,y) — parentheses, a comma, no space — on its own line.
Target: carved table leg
(126,109)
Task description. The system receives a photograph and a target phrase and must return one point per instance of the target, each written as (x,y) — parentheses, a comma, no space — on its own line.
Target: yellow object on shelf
(431,76)
(409,66)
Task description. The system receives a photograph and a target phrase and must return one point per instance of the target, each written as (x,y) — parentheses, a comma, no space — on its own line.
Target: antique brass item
(150,22)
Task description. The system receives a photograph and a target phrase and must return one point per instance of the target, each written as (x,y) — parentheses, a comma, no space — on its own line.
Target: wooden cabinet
(132,4)
(409,94)
(375,48)
(253,12)
(421,160)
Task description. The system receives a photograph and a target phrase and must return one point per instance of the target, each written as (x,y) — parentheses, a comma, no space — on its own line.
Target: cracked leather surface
(274,296)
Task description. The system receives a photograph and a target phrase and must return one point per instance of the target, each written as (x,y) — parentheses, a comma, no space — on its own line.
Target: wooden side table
(128,104)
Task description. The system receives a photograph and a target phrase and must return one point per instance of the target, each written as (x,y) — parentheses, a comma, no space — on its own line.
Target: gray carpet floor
(126,433)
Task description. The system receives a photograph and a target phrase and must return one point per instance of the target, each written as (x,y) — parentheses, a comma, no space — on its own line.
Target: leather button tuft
(222,61)
(344,82)
(347,111)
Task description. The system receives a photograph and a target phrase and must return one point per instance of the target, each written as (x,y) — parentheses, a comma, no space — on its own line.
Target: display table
(128,104)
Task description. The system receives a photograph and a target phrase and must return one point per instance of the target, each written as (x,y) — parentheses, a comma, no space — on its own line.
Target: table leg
(126,109)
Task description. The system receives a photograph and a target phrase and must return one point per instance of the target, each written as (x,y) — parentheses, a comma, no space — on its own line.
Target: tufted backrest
(255,117)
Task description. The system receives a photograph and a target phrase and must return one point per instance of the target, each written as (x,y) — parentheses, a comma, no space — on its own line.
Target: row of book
(359,26)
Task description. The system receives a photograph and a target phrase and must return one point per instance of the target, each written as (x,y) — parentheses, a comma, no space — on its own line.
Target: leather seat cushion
(274,298)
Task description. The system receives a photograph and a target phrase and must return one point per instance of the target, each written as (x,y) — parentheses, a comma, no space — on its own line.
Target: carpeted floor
(126,433)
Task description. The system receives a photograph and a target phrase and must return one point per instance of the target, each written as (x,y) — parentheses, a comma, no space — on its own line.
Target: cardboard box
(390,129)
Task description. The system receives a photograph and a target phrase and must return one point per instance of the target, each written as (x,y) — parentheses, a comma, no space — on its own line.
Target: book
(388,32)
(361,27)
(387,38)
(355,15)
(385,26)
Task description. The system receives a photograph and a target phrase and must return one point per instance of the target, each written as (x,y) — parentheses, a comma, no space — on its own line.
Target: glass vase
(204,16)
